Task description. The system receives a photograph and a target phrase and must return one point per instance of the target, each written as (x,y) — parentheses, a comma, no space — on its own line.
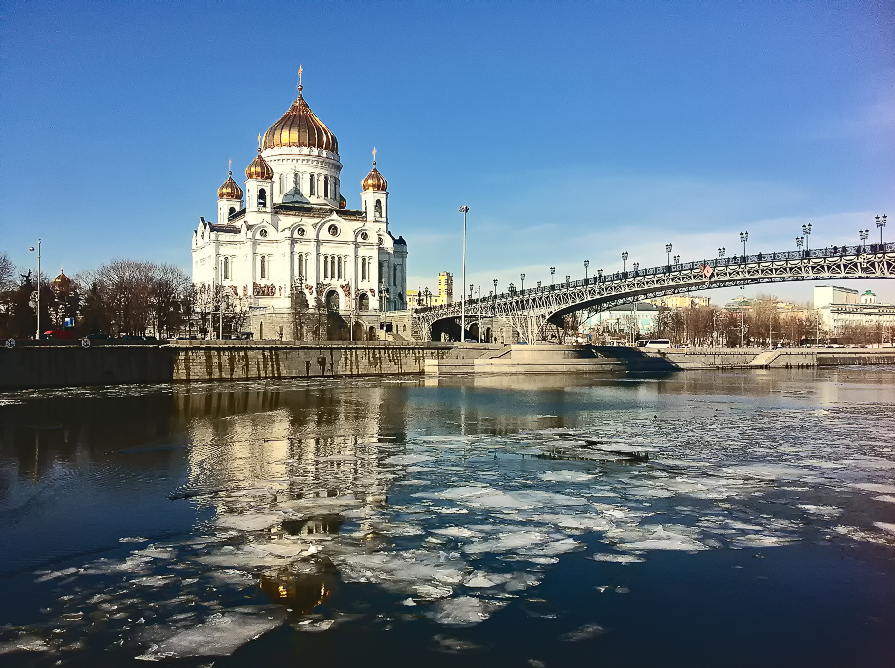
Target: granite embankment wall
(71,365)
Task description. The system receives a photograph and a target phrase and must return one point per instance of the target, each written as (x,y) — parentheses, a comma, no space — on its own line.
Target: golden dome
(259,169)
(300,127)
(343,203)
(62,282)
(230,189)
(374,180)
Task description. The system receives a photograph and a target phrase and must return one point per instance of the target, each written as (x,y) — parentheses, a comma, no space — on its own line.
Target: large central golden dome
(300,127)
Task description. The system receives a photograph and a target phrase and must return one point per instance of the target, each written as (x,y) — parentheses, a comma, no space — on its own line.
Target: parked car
(59,334)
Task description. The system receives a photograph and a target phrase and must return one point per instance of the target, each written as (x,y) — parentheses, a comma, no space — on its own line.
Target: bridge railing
(683,268)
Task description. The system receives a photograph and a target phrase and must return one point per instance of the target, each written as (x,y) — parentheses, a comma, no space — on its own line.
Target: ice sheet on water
(55,575)
(456,532)
(566,476)
(656,537)
(617,558)
(584,632)
(402,570)
(885,526)
(885,497)
(763,540)
(823,511)
(875,487)
(249,521)
(463,610)
(408,459)
(584,522)
(220,635)
(768,471)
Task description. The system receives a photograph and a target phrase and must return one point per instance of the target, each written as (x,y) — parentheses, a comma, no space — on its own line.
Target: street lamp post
(522,281)
(677,259)
(806,230)
(37,330)
(881,223)
(799,242)
(668,252)
(471,290)
(586,265)
(863,234)
(624,261)
(636,266)
(722,252)
(744,237)
(552,271)
(464,210)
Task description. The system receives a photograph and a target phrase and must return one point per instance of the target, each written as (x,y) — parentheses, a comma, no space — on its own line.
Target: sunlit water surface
(702,519)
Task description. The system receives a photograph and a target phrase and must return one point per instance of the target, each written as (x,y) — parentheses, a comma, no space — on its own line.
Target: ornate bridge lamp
(568,278)
(806,230)
(552,271)
(881,223)
(599,275)
(722,252)
(668,252)
(863,234)
(495,287)
(522,281)
(677,259)
(799,242)
(624,261)
(636,266)
(744,237)
(511,288)
(539,286)
(586,265)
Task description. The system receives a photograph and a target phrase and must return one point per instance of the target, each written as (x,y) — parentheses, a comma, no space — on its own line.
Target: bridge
(529,311)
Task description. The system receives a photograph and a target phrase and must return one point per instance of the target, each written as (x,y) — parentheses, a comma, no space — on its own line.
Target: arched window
(311,189)
(377,209)
(263,267)
(395,275)
(325,186)
(282,182)
(325,266)
(340,267)
(227,268)
(262,197)
(332,266)
(231,211)
(363,269)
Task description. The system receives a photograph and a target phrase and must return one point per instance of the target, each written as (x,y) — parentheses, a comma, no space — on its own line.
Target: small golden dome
(300,127)
(62,283)
(259,169)
(343,203)
(230,189)
(374,180)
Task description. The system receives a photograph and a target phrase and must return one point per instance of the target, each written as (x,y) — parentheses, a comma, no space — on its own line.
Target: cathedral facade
(289,234)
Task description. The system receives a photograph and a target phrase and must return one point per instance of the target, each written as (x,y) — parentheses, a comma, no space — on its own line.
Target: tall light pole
(744,237)
(668,252)
(599,275)
(806,230)
(881,223)
(799,242)
(677,259)
(464,210)
(624,261)
(586,265)
(636,266)
(863,234)
(37,328)
(552,271)
(522,281)
(722,252)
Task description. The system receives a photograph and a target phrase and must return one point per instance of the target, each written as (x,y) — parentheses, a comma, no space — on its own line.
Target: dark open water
(704,519)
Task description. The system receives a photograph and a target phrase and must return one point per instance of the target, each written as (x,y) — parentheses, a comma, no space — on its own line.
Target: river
(699,519)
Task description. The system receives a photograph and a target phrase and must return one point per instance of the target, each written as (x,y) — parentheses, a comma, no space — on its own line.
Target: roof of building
(300,127)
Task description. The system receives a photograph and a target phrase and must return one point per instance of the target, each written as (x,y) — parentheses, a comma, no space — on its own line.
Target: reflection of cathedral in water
(293,444)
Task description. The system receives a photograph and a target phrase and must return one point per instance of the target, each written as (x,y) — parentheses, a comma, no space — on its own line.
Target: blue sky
(572,130)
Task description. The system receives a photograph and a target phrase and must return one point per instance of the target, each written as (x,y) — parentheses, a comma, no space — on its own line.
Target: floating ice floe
(875,487)
(656,537)
(584,632)
(408,459)
(584,522)
(617,558)
(403,571)
(463,610)
(885,497)
(768,471)
(221,635)
(566,476)
(823,511)
(249,521)
(885,526)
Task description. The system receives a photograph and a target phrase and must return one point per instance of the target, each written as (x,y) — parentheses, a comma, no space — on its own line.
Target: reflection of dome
(230,189)
(374,180)
(259,169)
(301,592)
(61,283)
(300,127)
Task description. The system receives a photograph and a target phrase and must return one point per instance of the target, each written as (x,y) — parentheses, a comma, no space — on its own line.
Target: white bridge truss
(530,310)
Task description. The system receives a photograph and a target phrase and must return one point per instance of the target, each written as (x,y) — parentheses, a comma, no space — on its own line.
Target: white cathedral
(294,230)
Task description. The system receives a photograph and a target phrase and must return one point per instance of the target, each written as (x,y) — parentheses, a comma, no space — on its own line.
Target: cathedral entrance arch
(363,302)
(332,301)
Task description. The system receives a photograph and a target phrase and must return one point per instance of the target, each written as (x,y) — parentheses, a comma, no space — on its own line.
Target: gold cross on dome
(300,70)
(259,141)
(374,155)
(230,166)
